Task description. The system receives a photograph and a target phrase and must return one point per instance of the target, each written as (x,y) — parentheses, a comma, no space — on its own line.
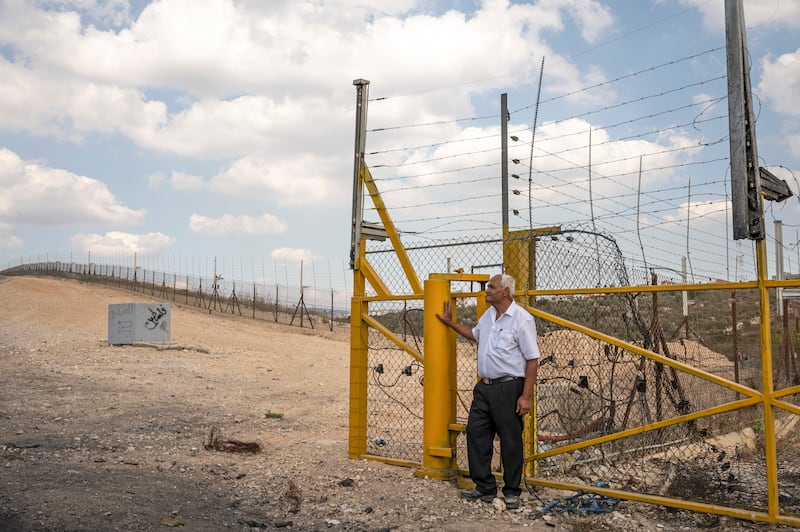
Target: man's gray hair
(506,281)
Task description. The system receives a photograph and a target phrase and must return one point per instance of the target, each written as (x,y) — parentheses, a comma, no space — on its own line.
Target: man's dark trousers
(493,411)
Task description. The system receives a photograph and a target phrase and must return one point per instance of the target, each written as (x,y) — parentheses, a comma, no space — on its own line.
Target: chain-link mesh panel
(395,383)
(467,364)
(479,256)
(788,448)
(589,389)
(404,318)
(562,259)
(675,461)
(573,259)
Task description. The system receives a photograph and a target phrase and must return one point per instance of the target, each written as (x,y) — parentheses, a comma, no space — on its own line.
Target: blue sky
(183,130)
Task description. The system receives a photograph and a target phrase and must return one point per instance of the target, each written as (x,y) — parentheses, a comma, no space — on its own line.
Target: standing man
(508,360)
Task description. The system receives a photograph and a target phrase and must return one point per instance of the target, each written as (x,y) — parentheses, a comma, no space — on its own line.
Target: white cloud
(268,88)
(293,255)
(210,128)
(706,103)
(565,144)
(390,48)
(155,180)
(780,82)
(283,182)
(115,242)
(114,12)
(756,13)
(794,144)
(218,50)
(594,18)
(8,241)
(67,108)
(779,86)
(242,224)
(250,76)
(718,209)
(37,194)
(184,181)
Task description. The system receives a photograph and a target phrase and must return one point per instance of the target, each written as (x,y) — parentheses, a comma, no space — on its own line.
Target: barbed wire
(624,77)
(676,149)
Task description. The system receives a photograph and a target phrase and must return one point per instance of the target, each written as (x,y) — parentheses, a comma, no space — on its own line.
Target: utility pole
(504,160)
(748,213)
(362,97)
(748,216)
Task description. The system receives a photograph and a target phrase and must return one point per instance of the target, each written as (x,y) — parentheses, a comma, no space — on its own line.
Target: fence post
(438,449)
(359,360)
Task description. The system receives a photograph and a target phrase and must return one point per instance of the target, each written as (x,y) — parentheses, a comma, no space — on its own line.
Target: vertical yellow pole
(438,458)
(767,385)
(480,304)
(359,346)
(529,439)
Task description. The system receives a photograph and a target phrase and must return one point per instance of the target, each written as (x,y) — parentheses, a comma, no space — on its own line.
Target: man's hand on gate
(523,405)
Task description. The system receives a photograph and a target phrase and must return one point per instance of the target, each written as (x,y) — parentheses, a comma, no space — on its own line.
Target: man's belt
(498,380)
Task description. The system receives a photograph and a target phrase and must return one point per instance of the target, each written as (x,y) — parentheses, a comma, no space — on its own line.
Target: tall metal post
(362,97)
(685,299)
(746,200)
(504,160)
(748,213)
(359,345)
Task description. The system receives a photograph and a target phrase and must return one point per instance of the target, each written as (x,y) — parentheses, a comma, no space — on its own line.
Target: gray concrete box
(139,322)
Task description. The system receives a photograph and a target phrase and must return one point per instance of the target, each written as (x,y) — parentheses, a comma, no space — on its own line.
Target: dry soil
(98,437)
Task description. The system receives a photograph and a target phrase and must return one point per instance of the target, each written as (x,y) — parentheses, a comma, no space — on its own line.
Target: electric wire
(614,209)
(553,138)
(623,77)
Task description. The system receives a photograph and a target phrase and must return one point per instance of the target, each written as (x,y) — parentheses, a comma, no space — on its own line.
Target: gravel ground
(138,437)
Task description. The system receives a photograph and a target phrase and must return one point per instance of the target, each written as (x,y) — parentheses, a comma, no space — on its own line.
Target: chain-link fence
(654,391)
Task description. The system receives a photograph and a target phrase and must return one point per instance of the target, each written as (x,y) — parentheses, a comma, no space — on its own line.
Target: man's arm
(524,401)
(447,318)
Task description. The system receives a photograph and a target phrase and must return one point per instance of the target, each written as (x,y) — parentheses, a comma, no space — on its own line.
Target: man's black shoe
(474,495)
(512,502)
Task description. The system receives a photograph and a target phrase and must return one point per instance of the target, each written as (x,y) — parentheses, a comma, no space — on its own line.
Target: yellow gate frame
(439,426)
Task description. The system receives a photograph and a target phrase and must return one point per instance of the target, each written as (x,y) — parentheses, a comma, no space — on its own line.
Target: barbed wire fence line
(221,287)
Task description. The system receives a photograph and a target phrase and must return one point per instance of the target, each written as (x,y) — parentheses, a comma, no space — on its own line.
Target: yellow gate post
(529,438)
(438,453)
(767,384)
(359,351)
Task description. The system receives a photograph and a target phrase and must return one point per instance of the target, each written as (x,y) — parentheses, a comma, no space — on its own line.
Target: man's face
(494,290)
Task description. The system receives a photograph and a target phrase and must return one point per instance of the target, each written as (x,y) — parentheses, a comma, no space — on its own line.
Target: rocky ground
(98,437)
